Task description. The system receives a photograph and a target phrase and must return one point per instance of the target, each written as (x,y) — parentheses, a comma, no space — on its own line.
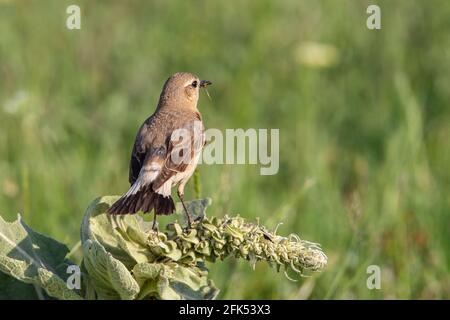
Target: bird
(166,150)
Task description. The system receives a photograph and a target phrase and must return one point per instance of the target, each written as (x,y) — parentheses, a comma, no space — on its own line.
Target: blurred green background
(363,117)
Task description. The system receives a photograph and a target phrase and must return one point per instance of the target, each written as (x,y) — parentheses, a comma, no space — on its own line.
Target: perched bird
(166,150)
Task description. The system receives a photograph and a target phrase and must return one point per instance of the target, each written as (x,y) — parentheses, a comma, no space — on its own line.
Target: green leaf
(35,259)
(173,281)
(122,264)
(111,278)
(13,289)
(122,236)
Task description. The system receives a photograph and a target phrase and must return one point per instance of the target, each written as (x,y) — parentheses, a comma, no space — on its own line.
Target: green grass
(364,151)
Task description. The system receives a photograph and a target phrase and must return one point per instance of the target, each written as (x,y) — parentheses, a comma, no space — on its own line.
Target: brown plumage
(166,149)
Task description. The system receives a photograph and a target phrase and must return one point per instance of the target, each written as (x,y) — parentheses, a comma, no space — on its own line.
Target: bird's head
(182,89)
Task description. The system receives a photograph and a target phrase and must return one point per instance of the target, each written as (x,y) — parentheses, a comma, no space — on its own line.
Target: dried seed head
(215,238)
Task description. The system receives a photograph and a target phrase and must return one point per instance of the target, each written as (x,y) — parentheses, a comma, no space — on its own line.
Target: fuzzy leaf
(106,229)
(111,278)
(174,281)
(115,246)
(13,289)
(34,259)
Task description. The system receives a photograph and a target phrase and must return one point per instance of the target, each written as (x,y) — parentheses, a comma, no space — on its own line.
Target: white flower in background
(13,104)
(316,55)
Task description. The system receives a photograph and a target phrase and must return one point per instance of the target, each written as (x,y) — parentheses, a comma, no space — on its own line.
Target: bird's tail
(145,200)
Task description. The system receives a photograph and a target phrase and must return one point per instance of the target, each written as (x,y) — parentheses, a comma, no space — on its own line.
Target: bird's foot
(199,219)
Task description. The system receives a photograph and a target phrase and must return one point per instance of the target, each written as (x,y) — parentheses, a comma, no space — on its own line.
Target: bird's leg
(154,220)
(181,196)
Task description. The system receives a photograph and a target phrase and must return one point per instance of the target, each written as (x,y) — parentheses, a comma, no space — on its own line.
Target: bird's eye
(195,83)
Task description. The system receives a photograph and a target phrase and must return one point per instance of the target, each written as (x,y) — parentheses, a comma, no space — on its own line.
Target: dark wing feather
(141,146)
(136,161)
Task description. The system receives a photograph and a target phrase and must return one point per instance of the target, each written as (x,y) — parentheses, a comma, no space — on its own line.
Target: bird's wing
(182,148)
(142,146)
(137,158)
(165,147)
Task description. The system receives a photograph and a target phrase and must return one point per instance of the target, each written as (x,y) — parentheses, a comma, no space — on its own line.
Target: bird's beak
(205,83)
